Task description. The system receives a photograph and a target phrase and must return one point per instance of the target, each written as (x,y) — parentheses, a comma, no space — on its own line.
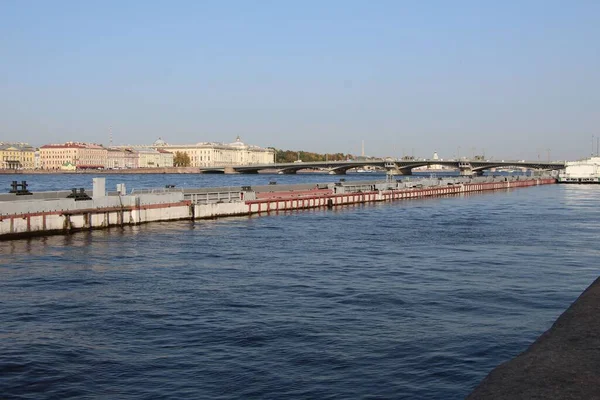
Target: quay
(562,363)
(105,171)
(24,214)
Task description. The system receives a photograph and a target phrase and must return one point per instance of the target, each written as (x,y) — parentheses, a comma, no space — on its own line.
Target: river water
(415,299)
(132,182)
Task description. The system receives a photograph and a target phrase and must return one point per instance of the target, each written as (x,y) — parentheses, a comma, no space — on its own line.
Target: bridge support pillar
(230,170)
(287,172)
(337,172)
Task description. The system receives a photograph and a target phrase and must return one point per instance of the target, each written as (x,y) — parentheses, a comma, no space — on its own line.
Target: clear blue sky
(512,77)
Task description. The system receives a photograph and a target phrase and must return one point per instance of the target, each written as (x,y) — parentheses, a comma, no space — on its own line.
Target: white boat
(581,171)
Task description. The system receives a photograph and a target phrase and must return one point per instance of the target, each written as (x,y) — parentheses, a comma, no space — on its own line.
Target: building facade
(16,156)
(154,158)
(122,158)
(81,155)
(158,155)
(220,154)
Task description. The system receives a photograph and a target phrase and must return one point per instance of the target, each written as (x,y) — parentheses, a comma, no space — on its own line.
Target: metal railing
(213,197)
(156,190)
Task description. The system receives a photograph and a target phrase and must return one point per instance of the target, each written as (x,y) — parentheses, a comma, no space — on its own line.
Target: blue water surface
(66,181)
(415,299)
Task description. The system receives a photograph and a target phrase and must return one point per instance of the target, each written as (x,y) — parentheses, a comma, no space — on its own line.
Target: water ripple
(410,299)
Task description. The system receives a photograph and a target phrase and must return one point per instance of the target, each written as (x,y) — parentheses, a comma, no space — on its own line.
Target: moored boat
(581,171)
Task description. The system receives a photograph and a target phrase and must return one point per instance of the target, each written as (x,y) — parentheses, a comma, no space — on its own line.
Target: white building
(119,158)
(154,158)
(207,154)
(220,154)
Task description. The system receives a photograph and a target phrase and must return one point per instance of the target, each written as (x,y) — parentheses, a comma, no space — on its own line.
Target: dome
(159,142)
(238,142)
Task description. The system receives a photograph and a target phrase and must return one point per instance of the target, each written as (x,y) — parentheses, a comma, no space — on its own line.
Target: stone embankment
(165,170)
(64,212)
(563,363)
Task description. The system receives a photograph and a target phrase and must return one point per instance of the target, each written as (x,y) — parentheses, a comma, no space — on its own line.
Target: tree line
(182,159)
(288,156)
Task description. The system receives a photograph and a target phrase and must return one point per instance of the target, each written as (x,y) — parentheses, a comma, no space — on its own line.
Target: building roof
(147,150)
(72,145)
(19,146)
(238,143)
(159,142)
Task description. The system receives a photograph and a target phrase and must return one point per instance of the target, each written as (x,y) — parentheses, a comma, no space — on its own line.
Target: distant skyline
(516,79)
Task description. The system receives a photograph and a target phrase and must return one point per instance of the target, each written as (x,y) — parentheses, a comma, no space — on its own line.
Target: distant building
(220,154)
(166,158)
(154,158)
(118,158)
(432,167)
(158,155)
(436,166)
(81,155)
(16,156)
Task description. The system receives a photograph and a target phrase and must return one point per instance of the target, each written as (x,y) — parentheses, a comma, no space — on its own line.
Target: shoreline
(562,363)
(165,170)
(131,171)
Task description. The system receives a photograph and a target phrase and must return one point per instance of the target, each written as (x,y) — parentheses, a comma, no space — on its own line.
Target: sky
(507,79)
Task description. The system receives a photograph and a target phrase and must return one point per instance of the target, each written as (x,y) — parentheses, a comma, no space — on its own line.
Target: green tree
(181,159)
(289,156)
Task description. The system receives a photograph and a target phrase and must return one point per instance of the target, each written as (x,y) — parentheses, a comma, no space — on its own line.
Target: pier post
(99,187)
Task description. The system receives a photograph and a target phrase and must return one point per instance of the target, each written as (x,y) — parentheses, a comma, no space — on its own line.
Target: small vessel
(581,171)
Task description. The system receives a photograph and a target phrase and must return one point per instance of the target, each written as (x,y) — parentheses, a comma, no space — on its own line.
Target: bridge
(396,167)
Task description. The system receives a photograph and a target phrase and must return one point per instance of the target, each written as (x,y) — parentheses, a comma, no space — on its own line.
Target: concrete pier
(61,216)
(563,363)
(55,213)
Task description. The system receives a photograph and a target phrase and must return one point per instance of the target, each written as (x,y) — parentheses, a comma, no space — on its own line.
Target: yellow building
(153,158)
(220,154)
(16,156)
(82,155)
